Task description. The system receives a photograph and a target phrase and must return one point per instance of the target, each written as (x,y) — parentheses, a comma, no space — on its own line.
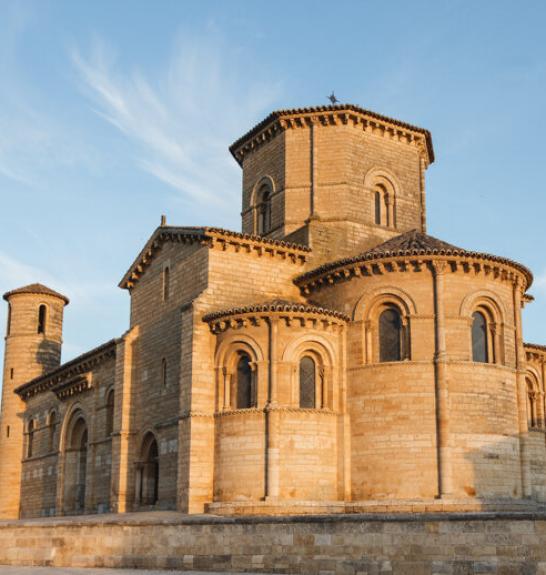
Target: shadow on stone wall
(511,468)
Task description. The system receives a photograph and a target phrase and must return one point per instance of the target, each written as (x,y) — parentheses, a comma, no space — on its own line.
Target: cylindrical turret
(33,347)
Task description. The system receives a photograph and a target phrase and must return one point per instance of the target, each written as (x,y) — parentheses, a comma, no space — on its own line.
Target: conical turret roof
(38,289)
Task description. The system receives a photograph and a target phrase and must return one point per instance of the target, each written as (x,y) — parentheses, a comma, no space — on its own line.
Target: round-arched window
(308,376)
(390,335)
(479,338)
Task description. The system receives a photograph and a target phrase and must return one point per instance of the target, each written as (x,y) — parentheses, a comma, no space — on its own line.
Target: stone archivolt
(343,361)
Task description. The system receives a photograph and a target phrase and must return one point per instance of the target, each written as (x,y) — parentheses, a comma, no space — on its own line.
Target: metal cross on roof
(332,98)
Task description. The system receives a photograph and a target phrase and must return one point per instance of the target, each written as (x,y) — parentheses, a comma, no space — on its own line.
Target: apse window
(308,374)
(244,382)
(480,344)
(391,335)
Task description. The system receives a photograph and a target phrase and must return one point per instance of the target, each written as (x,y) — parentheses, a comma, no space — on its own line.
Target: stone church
(331,357)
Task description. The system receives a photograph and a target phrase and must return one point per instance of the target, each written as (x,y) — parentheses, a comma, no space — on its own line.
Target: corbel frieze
(473,265)
(358,119)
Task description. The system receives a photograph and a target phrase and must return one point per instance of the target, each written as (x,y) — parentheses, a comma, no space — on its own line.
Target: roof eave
(278,114)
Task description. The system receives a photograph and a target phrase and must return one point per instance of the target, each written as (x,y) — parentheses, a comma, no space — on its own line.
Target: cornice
(277,409)
(214,238)
(414,260)
(73,386)
(67,374)
(289,312)
(281,120)
(535,351)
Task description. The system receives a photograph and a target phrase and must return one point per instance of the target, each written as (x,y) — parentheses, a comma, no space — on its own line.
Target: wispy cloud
(35,140)
(182,119)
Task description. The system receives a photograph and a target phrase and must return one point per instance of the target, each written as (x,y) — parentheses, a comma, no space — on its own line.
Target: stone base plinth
(275,507)
(447,543)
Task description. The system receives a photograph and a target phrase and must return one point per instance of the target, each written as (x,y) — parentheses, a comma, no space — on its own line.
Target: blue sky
(114,112)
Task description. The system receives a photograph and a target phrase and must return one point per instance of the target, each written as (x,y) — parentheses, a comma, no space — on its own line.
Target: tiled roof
(36,289)
(416,242)
(276,305)
(278,114)
(412,243)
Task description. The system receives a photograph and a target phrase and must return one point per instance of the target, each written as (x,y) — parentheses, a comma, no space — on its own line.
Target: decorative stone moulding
(414,251)
(289,312)
(75,386)
(377,124)
(69,373)
(535,351)
(214,238)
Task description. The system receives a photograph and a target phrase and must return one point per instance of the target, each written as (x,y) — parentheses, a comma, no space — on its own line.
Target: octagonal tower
(340,179)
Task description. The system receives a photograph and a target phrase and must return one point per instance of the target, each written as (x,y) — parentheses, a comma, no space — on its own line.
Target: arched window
(166,283)
(109,413)
(264,210)
(8,328)
(480,343)
(42,318)
(244,382)
(308,375)
(148,488)
(75,464)
(391,335)
(383,205)
(52,426)
(30,439)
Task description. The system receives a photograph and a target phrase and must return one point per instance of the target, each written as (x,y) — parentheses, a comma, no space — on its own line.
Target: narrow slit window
(110,413)
(52,427)
(30,444)
(166,284)
(377,201)
(42,318)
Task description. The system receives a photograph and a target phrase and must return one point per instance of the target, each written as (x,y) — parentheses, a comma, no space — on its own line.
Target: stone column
(272,418)
(441,385)
(521,392)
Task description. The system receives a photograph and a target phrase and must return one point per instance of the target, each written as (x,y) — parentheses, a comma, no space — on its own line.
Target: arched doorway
(75,471)
(148,472)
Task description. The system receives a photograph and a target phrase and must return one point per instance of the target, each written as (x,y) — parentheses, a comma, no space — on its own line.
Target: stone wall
(508,544)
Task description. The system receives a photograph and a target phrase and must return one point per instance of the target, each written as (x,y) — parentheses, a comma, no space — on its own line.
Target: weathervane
(333,99)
